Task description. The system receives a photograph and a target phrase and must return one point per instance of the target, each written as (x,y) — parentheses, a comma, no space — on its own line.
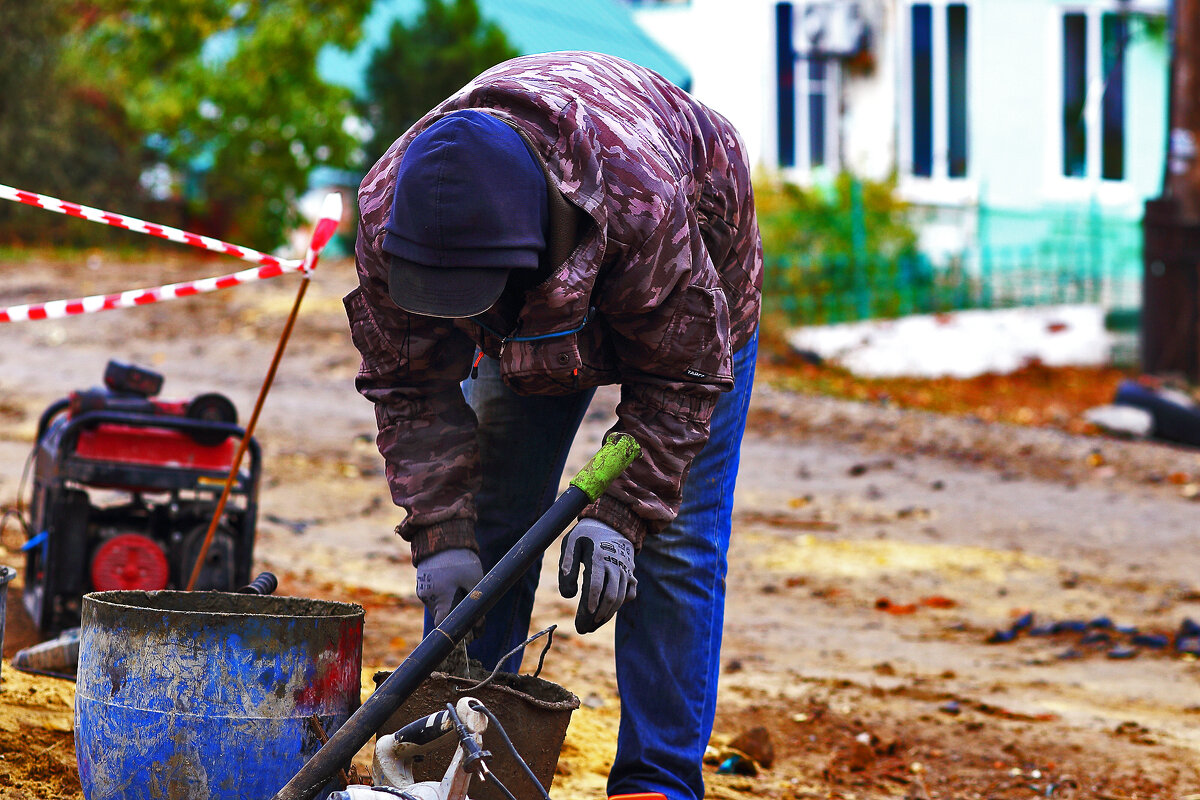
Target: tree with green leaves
(425,62)
(227,94)
(57,136)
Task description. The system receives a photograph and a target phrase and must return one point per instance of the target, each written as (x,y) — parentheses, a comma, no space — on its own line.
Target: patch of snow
(963,344)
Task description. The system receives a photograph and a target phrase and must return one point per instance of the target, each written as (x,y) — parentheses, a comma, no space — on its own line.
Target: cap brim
(441,292)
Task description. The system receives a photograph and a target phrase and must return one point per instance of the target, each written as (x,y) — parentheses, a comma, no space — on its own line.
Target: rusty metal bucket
(534,712)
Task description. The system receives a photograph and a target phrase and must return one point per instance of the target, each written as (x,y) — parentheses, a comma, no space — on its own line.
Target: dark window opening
(1114,35)
(956,27)
(816,112)
(785,77)
(1074,126)
(922,90)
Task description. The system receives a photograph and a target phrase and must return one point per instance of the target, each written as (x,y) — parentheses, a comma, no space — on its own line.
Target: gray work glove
(445,578)
(607,560)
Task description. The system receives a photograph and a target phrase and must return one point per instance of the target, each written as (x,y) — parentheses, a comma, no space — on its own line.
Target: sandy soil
(876,551)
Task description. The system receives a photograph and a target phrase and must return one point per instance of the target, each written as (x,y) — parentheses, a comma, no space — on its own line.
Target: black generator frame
(57,552)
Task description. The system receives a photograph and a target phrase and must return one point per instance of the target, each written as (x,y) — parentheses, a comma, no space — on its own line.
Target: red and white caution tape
(140,226)
(331,212)
(139,297)
(323,231)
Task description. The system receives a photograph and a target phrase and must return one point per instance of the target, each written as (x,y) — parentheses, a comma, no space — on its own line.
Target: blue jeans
(668,641)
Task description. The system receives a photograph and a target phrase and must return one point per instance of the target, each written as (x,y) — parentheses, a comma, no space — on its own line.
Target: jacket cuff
(620,517)
(430,539)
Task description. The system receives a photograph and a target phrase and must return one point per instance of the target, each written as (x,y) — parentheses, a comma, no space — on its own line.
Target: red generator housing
(125,487)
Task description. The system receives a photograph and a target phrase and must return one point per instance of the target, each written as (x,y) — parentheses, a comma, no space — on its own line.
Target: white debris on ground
(962,344)
(1121,420)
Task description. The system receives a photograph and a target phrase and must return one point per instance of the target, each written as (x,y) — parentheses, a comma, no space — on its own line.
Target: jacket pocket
(555,365)
(696,347)
(379,353)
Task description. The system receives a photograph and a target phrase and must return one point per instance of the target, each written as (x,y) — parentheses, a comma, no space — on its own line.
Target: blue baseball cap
(470,206)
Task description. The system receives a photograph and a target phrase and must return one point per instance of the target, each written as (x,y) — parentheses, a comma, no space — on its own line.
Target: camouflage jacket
(659,285)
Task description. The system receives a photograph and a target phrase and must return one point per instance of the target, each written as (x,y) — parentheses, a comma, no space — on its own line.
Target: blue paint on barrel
(207,695)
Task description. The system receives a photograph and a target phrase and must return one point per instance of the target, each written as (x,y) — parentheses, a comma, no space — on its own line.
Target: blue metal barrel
(207,695)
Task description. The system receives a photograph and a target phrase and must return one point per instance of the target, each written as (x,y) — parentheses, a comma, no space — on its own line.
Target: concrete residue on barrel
(185,695)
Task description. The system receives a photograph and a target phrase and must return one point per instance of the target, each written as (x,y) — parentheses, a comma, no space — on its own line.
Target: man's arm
(411,370)
(671,331)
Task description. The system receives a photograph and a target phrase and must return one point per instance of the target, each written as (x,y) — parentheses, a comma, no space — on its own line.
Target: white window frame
(803,169)
(833,107)
(939,188)
(1091,185)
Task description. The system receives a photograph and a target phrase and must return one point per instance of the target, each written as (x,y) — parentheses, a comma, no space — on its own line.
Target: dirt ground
(905,587)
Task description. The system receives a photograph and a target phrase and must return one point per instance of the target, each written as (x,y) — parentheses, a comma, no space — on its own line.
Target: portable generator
(124,490)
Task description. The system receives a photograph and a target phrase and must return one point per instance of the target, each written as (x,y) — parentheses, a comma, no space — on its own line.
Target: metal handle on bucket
(547,632)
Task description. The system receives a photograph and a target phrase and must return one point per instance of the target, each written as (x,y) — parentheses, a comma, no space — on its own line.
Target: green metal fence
(1075,258)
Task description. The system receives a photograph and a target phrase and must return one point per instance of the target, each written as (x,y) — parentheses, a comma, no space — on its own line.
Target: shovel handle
(617,453)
